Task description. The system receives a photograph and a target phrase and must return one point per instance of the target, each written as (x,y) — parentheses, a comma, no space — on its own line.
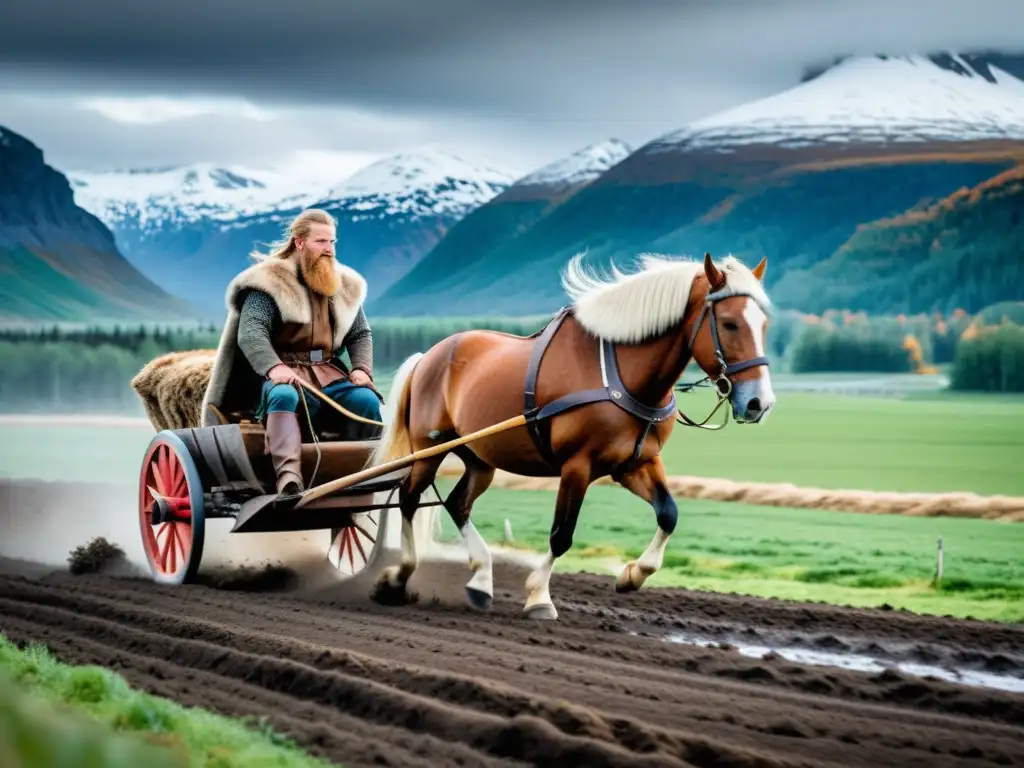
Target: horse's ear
(759,269)
(715,276)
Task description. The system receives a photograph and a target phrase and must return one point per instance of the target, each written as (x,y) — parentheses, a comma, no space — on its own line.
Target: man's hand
(360,379)
(282,374)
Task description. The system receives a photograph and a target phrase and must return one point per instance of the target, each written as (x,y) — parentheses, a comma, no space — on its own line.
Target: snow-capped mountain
(580,167)
(872,99)
(191,229)
(426,182)
(429,183)
(153,198)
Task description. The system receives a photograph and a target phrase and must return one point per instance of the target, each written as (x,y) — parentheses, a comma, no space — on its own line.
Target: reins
(312,430)
(723,398)
(336,406)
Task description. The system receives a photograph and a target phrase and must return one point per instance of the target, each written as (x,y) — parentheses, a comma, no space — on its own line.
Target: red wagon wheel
(357,545)
(171,511)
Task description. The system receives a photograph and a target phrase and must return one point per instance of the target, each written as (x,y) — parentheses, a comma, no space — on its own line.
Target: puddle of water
(860,663)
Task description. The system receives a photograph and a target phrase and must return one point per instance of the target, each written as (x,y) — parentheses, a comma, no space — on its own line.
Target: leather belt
(314,357)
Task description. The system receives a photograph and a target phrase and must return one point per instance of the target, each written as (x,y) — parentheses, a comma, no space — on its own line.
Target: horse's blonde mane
(629,308)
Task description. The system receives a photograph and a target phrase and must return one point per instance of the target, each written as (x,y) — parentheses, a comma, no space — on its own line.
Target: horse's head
(728,339)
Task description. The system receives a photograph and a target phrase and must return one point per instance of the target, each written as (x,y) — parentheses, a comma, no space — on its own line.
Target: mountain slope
(192,229)
(966,250)
(57,261)
(499,220)
(890,99)
(791,177)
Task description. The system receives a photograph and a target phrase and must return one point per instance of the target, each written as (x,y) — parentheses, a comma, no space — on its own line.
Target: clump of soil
(98,556)
(266,578)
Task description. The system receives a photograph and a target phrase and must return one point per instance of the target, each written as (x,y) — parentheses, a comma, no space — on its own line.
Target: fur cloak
(234,385)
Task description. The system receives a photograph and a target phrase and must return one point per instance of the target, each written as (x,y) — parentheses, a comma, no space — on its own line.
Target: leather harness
(613,389)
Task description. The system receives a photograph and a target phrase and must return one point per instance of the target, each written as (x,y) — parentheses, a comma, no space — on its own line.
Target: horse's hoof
(541,611)
(624,587)
(478,598)
(386,593)
(624,583)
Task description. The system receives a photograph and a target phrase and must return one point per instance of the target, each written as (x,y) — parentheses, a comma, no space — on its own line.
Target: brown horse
(585,420)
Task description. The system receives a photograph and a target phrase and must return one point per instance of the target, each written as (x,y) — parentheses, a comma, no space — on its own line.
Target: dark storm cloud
(383,53)
(84,139)
(519,81)
(516,58)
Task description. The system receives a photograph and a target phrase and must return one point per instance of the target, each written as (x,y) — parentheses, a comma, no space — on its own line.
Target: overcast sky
(110,83)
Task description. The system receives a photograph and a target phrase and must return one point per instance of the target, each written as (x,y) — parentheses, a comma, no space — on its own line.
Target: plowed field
(437,684)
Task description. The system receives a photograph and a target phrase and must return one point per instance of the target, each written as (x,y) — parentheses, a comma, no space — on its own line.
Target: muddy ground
(437,683)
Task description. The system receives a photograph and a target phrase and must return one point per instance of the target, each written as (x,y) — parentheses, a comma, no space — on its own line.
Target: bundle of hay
(172,387)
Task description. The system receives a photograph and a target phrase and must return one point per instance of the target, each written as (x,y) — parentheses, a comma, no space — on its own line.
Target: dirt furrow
(588,603)
(596,661)
(497,676)
(675,608)
(483,695)
(324,731)
(575,631)
(525,737)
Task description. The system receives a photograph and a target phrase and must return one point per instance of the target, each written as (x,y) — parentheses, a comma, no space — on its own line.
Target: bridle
(722,383)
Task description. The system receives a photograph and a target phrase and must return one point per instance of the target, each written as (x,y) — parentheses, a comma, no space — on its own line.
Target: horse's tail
(395,441)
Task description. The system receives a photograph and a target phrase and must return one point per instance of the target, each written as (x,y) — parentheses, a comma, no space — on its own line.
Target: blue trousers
(360,400)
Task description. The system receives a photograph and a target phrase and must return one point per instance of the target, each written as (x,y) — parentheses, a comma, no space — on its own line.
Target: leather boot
(284,444)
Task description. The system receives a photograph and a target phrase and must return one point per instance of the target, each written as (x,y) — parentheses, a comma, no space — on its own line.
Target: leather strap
(613,389)
(621,396)
(709,310)
(534,424)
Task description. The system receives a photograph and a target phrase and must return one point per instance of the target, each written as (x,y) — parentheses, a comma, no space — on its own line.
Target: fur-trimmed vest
(234,385)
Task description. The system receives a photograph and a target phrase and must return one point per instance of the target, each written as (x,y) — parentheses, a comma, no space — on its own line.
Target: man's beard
(320,274)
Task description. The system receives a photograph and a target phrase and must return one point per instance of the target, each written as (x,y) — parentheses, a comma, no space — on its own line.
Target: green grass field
(52,714)
(915,443)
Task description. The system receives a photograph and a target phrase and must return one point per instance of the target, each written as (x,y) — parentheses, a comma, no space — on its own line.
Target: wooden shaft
(382,469)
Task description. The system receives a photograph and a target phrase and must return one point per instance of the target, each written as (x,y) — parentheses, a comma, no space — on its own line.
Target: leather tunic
(308,348)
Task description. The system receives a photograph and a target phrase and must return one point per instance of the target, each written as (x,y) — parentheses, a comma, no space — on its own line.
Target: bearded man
(290,317)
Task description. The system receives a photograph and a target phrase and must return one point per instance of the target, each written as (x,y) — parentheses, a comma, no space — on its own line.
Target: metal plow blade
(339,545)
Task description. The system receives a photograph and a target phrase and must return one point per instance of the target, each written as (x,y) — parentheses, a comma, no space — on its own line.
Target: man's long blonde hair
(299,227)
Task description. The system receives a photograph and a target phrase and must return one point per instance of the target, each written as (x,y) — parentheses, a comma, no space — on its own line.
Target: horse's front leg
(649,483)
(571,490)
